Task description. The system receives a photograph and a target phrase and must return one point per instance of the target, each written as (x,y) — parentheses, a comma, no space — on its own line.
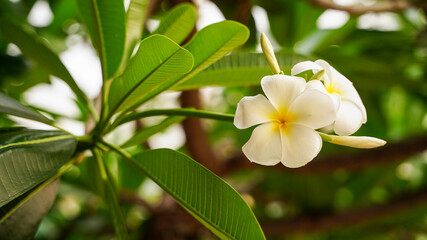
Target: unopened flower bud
(268,51)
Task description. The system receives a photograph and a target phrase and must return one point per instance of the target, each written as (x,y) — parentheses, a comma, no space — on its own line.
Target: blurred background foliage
(343,194)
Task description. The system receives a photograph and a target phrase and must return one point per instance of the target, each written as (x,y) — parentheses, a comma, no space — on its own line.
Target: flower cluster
(294,109)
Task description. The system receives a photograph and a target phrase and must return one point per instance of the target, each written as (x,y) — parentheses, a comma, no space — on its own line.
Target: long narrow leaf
(178,23)
(135,19)
(105,22)
(213,42)
(106,189)
(158,61)
(29,157)
(11,106)
(8,209)
(33,47)
(207,197)
(238,69)
(207,46)
(24,222)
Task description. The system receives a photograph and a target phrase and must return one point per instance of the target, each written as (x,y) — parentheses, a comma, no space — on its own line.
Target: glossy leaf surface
(24,222)
(238,69)
(208,46)
(11,106)
(28,157)
(178,23)
(207,197)
(158,61)
(105,22)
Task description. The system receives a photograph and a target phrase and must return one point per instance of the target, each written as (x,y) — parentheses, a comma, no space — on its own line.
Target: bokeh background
(343,194)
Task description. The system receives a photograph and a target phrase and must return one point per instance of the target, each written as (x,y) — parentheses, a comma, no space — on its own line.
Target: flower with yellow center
(286,121)
(351,112)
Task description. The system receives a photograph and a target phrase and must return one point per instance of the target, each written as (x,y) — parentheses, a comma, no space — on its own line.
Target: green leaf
(135,19)
(178,23)
(212,43)
(158,62)
(207,197)
(106,188)
(33,47)
(9,209)
(105,22)
(129,178)
(238,69)
(187,112)
(24,222)
(11,106)
(207,46)
(29,157)
(144,134)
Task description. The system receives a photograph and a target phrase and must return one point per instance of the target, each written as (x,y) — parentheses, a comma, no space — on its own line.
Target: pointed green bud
(267,49)
(318,75)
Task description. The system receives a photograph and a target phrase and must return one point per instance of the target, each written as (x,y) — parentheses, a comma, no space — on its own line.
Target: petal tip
(288,165)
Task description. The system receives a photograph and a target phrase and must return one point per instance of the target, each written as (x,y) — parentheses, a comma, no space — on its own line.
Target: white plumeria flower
(287,121)
(351,112)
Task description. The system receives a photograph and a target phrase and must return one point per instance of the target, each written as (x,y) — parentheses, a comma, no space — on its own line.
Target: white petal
(357,142)
(305,66)
(349,93)
(349,119)
(317,85)
(313,109)
(343,86)
(300,145)
(264,146)
(281,90)
(253,110)
(334,78)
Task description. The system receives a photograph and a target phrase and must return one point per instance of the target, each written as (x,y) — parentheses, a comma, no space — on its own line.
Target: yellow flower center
(331,89)
(282,120)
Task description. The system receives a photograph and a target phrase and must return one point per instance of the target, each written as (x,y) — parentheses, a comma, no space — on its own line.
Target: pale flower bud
(268,51)
(356,141)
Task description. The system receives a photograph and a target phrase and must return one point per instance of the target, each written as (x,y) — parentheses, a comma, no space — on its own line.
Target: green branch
(101,144)
(110,196)
(187,112)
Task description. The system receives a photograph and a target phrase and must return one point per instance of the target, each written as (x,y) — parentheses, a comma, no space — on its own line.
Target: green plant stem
(187,112)
(110,196)
(325,137)
(104,118)
(121,152)
(103,144)
(92,111)
(114,148)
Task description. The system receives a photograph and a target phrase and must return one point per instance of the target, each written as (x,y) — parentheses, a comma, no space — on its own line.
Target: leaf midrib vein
(36,141)
(191,73)
(133,89)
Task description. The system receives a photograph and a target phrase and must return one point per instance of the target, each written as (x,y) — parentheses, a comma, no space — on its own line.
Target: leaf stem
(92,111)
(187,112)
(114,148)
(110,196)
(325,137)
(103,144)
